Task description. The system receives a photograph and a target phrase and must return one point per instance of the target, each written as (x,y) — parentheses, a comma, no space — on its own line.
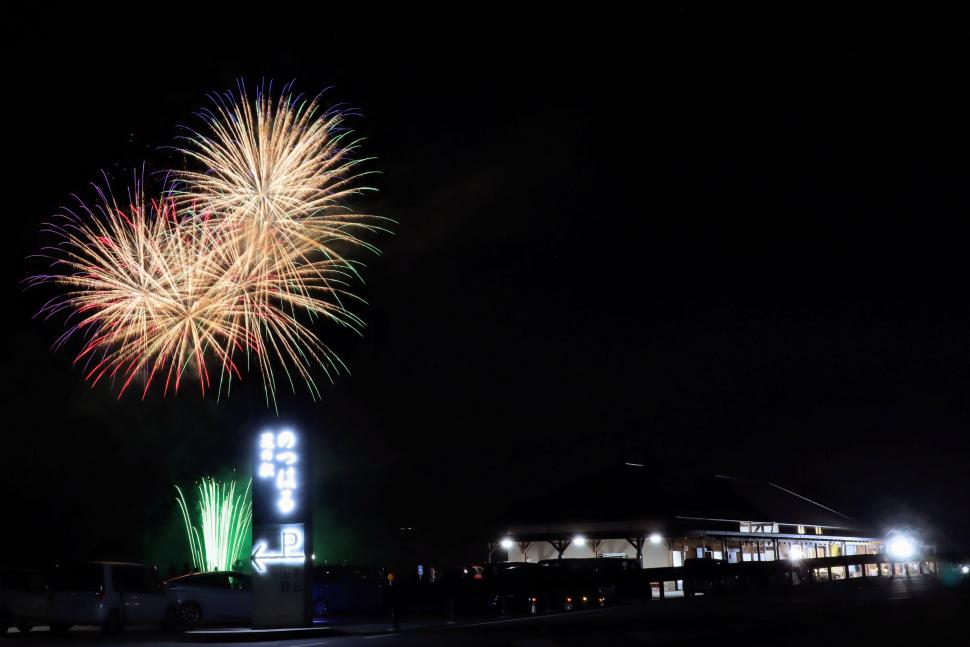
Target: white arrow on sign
(291,541)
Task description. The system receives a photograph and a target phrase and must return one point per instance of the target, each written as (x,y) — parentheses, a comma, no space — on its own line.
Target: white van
(109,595)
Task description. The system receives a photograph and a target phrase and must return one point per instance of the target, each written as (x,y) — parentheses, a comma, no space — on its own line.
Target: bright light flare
(901,547)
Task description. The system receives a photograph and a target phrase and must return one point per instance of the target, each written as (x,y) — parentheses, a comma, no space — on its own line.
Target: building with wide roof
(630,512)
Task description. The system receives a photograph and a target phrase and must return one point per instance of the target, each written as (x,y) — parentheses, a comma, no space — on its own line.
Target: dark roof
(727,497)
(633,492)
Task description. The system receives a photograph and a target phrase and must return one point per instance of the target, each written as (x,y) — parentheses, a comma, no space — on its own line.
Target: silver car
(224,596)
(110,595)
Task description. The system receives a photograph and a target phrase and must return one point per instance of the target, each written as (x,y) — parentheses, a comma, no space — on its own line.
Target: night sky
(684,239)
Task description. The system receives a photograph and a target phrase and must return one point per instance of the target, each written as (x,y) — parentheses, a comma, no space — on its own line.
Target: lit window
(745,527)
(801,530)
(818,530)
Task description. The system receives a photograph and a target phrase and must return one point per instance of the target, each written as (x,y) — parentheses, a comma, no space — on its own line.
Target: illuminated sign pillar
(282,530)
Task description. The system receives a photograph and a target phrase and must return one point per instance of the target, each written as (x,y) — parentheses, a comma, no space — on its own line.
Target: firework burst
(231,266)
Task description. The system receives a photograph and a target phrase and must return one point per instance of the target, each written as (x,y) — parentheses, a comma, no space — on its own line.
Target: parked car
(466,590)
(110,595)
(212,597)
(568,583)
(515,587)
(588,582)
(619,579)
(23,599)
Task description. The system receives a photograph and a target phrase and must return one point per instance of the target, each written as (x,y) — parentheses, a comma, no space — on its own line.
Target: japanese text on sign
(279,461)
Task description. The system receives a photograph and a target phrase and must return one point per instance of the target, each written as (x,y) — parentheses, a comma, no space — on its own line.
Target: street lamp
(506,543)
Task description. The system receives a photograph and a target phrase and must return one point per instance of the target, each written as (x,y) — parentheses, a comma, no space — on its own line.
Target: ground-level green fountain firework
(225,518)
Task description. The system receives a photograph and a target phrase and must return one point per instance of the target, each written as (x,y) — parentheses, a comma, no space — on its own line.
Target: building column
(637,543)
(560,545)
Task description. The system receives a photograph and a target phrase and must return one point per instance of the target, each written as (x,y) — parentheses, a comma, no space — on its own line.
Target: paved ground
(898,612)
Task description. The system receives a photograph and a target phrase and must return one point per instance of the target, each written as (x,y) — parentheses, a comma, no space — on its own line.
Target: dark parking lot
(899,611)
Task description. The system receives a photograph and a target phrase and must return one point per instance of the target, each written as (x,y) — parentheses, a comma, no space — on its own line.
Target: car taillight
(100,595)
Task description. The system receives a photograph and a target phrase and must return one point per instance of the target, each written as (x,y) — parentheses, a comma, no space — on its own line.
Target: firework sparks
(231,265)
(225,518)
(141,290)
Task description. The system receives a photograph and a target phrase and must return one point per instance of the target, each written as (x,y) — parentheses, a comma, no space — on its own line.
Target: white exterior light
(655,538)
(965,570)
(901,547)
(506,543)
(579,540)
